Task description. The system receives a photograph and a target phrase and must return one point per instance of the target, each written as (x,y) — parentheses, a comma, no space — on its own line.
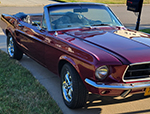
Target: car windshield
(65,17)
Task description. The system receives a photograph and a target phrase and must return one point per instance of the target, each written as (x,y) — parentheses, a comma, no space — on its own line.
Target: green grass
(20,92)
(104,1)
(146,30)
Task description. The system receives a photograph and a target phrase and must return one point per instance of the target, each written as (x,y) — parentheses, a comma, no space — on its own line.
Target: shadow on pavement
(97,100)
(137,112)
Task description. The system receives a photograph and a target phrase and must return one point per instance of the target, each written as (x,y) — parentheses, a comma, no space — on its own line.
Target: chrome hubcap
(67,87)
(11,47)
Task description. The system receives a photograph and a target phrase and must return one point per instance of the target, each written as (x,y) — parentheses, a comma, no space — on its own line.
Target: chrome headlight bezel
(102,72)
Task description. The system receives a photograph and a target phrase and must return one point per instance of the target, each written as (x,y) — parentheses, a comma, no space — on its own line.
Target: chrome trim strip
(46,13)
(124,94)
(119,86)
(139,63)
(124,73)
(142,79)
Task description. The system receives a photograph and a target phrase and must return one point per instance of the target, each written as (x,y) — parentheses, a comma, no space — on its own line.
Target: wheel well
(7,31)
(61,64)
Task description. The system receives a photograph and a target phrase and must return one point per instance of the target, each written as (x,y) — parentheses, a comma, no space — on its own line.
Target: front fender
(84,69)
(67,59)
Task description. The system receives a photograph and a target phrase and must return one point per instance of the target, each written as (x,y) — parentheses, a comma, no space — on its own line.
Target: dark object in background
(135,6)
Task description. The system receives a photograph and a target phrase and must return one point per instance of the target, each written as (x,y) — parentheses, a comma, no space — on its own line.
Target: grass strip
(146,30)
(20,92)
(103,1)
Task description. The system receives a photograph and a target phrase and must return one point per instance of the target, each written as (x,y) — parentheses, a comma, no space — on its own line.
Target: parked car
(86,45)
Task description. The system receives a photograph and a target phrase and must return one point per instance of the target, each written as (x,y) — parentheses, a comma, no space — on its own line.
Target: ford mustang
(86,45)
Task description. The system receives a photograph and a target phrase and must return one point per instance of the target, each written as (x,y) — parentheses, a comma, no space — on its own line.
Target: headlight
(101,72)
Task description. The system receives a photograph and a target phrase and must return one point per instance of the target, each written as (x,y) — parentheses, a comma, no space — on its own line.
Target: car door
(32,41)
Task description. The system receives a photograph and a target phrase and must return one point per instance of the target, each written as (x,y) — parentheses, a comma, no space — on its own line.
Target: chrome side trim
(124,73)
(124,94)
(142,79)
(139,63)
(46,13)
(119,86)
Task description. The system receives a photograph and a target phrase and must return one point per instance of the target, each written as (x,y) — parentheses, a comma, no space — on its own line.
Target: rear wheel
(12,49)
(73,90)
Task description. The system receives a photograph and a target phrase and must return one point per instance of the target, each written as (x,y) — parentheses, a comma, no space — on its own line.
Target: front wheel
(73,90)
(12,49)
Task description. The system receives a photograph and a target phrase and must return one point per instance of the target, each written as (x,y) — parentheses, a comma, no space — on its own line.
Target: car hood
(127,44)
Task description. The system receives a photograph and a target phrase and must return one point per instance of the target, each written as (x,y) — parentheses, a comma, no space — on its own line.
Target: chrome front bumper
(119,86)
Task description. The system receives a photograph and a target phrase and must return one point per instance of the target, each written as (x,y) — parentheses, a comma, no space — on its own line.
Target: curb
(20,5)
(27,3)
(7,5)
(36,5)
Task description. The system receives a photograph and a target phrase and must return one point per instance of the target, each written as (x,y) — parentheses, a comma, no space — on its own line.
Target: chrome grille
(137,72)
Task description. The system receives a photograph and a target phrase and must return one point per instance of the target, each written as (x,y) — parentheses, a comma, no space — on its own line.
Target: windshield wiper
(102,24)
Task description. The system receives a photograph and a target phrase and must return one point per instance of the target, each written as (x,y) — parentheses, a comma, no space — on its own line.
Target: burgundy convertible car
(86,45)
